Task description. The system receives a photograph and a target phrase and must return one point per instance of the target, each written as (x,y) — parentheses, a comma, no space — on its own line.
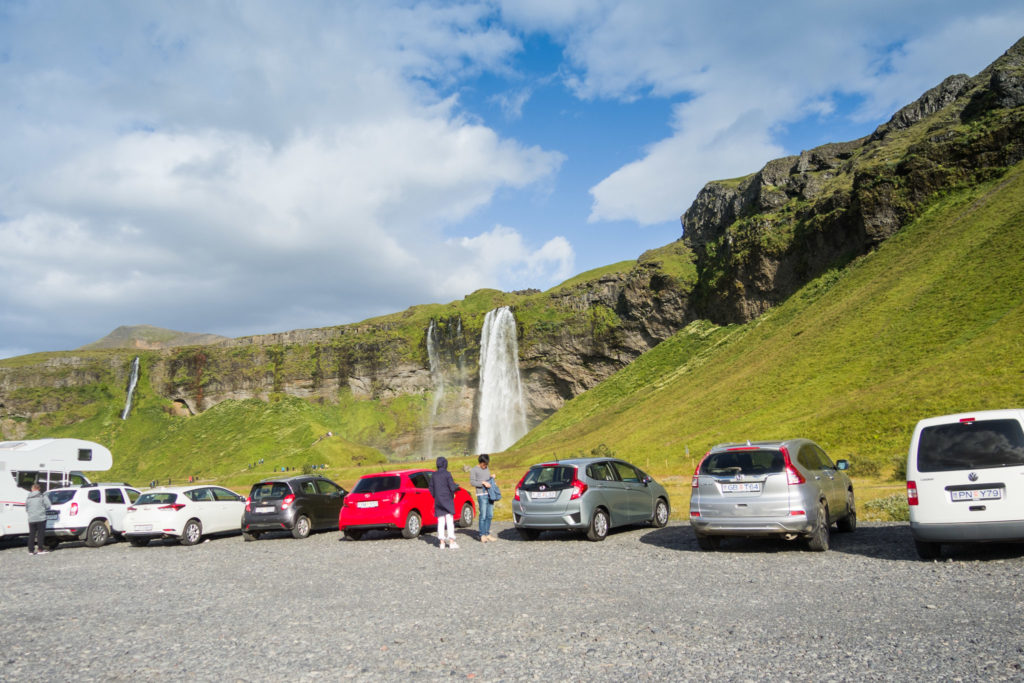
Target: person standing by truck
(36,505)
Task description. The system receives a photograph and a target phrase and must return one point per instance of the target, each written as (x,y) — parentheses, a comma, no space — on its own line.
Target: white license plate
(366,504)
(544,494)
(265,508)
(752,487)
(143,527)
(976,494)
(50,523)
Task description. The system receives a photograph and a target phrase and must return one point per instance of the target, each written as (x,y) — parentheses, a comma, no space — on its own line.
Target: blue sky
(252,167)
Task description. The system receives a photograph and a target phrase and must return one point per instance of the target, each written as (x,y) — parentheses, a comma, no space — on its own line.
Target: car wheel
(466,516)
(927,550)
(818,540)
(660,518)
(139,542)
(353,534)
(97,534)
(251,535)
(849,522)
(705,542)
(528,534)
(302,527)
(413,525)
(192,532)
(598,530)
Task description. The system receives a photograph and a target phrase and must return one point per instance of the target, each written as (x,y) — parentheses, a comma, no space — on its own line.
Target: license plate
(752,487)
(366,504)
(976,494)
(143,527)
(265,508)
(50,523)
(544,494)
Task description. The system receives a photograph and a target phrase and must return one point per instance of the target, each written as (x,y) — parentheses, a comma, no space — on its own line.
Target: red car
(397,500)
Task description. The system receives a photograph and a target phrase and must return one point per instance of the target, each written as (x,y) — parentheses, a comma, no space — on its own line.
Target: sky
(248,167)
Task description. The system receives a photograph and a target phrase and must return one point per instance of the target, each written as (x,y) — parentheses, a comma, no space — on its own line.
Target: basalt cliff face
(747,245)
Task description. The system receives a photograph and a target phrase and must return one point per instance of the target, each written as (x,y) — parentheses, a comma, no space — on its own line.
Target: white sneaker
(453,545)
(443,546)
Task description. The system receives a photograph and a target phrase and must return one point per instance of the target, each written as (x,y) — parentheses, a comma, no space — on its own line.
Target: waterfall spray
(502,413)
(133,379)
(437,378)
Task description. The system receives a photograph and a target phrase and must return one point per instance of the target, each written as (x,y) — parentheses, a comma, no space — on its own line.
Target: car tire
(139,542)
(818,540)
(192,533)
(598,530)
(928,550)
(848,523)
(353,534)
(98,534)
(413,525)
(302,527)
(250,535)
(661,512)
(465,517)
(705,542)
(528,534)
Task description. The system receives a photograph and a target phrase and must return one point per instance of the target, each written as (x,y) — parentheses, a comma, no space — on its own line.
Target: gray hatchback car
(787,488)
(587,494)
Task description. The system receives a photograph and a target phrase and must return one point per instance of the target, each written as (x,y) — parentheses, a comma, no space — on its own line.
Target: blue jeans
(486,509)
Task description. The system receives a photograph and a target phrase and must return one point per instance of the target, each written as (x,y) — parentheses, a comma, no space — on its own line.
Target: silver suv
(770,488)
(90,513)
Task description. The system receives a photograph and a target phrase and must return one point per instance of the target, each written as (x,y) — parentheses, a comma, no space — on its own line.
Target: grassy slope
(930,323)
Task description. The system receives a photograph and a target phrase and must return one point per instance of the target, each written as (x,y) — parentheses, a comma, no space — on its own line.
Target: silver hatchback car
(770,488)
(587,494)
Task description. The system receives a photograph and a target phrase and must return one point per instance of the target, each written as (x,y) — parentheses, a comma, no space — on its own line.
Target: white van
(965,479)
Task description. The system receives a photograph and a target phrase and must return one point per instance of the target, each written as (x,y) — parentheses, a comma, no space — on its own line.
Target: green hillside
(930,323)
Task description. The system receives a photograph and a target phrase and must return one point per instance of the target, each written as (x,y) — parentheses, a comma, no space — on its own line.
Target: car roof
(183,489)
(576,462)
(756,444)
(392,473)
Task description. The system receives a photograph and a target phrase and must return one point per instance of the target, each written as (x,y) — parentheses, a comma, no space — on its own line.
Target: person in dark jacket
(443,488)
(36,505)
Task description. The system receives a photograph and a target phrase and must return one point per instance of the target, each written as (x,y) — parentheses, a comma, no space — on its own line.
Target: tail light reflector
(578,487)
(518,486)
(172,506)
(912,493)
(248,504)
(288,500)
(394,498)
(694,483)
(793,476)
(74,509)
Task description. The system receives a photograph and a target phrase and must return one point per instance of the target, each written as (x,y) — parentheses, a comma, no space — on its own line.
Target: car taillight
(172,506)
(694,482)
(288,500)
(793,476)
(395,498)
(248,504)
(74,509)
(912,493)
(578,487)
(518,486)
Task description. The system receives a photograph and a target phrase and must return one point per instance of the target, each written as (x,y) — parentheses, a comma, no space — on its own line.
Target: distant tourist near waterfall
(133,379)
(502,412)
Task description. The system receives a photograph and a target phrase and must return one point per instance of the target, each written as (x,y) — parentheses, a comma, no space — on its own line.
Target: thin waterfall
(133,379)
(437,379)
(502,414)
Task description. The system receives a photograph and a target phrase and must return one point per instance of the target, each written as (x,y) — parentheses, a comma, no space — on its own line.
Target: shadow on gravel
(560,535)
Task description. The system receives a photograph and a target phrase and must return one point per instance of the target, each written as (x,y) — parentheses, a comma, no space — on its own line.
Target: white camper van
(51,463)
(965,479)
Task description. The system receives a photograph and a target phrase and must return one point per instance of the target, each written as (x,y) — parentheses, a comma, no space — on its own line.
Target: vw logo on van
(973,476)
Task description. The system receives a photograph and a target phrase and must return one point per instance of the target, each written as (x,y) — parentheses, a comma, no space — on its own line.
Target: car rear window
(977,444)
(269,490)
(60,497)
(551,476)
(157,499)
(377,484)
(727,463)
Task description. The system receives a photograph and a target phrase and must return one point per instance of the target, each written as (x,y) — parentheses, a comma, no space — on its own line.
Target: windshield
(731,463)
(971,445)
(60,496)
(376,484)
(157,499)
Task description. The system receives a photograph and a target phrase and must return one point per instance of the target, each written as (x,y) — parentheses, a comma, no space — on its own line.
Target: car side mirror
(842,464)
(647,480)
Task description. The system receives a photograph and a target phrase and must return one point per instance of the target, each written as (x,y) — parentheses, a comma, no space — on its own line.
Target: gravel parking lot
(646,603)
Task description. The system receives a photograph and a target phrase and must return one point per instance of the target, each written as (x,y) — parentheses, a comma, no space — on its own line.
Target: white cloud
(503,252)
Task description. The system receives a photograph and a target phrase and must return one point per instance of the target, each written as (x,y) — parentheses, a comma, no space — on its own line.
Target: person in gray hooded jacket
(36,505)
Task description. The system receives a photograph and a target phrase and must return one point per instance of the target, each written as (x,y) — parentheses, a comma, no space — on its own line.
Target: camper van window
(85,454)
(25,480)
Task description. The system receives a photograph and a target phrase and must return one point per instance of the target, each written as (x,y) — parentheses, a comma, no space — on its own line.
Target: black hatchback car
(298,504)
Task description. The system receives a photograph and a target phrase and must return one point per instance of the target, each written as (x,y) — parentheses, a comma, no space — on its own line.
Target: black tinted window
(970,445)
(420,480)
(376,484)
(553,476)
(326,487)
(808,457)
(94,495)
(115,496)
(270,490)
(746,462)
(224,494)
(156,499)
(60,497)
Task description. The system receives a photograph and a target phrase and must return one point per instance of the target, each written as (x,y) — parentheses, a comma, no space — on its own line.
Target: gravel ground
(645,603)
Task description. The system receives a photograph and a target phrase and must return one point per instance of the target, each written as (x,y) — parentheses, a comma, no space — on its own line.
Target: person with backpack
(442,488)
(481,479)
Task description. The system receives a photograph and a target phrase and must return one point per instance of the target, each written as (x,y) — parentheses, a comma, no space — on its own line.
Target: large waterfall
(437,379)
(502,412)
(133,379)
